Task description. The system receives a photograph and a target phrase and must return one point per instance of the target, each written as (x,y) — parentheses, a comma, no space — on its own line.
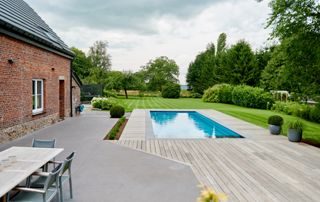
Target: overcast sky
(140,30)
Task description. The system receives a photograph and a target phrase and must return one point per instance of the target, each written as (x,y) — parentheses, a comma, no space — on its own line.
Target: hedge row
(114,131)
(311,113)
(241,95)
(103,103)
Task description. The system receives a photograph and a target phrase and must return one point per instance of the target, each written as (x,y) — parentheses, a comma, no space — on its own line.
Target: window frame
(35,87)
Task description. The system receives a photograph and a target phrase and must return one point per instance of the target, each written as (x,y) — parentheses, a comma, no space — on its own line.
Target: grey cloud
(133,15)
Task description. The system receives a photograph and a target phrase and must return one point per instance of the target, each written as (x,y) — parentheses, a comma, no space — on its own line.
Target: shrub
(220,93)
(314,114)
(106,104)
(196,95)
(297,124)
(275,120)
(97,102)
(171,90)
(185,94)
(251,97)
(294,108)
(116,111)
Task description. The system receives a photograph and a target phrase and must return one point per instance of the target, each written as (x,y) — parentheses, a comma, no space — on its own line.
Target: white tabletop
(28,160)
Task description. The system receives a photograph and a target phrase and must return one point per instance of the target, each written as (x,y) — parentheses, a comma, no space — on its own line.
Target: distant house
(37,85)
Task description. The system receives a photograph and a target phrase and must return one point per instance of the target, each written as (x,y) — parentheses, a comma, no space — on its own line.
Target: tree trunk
(125,91)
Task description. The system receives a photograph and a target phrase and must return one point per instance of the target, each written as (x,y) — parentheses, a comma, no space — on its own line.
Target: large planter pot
(294,135)
(275,130)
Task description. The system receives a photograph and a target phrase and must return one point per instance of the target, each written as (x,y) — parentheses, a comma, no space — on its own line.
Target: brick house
(37,85)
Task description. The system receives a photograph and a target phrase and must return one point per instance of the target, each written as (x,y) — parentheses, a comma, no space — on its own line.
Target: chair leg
(60,190)
(70,184)
(44,197)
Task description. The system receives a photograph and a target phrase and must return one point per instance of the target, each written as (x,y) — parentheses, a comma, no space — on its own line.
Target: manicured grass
(311,133)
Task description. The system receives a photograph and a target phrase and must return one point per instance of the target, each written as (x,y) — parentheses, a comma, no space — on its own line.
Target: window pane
(33,102)
(33,87)
(39,87)
(39,102)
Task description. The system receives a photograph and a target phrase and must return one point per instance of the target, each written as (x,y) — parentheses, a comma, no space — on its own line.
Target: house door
(61,99)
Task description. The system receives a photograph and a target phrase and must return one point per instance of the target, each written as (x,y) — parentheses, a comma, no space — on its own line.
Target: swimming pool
(187,124)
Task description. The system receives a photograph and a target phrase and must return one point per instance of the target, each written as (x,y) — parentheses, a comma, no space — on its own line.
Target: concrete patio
(103,171)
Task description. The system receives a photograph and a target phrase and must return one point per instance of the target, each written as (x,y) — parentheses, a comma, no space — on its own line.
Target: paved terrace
(103,171)
(260,167)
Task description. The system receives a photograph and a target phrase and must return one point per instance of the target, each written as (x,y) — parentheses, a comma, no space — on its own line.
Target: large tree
(99,56)
(239,65)
(159,72)
(296,23)
(201,73)
(81,64)
(205,70)
(126,80)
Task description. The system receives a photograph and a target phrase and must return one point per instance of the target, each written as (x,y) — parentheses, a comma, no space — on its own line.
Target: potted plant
(295,131)
(275,122)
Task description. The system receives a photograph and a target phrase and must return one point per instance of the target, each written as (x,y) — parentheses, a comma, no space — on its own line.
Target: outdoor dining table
(23,161)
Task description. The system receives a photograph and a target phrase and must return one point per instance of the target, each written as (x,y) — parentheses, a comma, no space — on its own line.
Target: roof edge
(76,78)
(19,34)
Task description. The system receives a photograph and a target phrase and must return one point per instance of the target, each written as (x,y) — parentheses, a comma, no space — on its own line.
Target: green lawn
(311,133)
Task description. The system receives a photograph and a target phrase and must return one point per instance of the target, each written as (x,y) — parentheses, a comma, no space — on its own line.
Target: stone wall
(19,130)
(75,96)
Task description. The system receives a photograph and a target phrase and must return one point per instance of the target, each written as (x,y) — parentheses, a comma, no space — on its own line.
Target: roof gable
(17,16)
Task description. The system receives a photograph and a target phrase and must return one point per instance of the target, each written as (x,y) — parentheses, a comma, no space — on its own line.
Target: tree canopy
(296,23)
(159,72)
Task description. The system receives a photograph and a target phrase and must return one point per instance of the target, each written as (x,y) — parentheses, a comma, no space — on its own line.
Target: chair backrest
(67,163)
(43,143)
(53,177)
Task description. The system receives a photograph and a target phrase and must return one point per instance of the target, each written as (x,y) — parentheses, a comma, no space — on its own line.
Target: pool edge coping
(141,123)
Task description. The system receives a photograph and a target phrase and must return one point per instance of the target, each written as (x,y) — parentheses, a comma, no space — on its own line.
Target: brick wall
(75,95)
(30,63)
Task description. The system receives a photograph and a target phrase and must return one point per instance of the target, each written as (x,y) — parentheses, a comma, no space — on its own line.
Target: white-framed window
(37,96)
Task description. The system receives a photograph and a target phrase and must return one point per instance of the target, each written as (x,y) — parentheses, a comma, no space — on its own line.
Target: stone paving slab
(103,171)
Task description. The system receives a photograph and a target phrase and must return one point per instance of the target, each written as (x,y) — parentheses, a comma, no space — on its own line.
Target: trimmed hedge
(116,111)
(241,95)
(220,93)
(114,131)
(252,97)
(171,90)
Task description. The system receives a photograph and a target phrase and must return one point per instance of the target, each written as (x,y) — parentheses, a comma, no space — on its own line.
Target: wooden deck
(246,170)
(259,167)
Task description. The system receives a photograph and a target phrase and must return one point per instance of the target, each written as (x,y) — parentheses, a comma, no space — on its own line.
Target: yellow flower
(209,195)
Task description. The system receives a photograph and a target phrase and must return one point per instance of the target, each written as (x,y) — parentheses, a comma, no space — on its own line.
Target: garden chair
(63,176)
(45,194)
(44,144)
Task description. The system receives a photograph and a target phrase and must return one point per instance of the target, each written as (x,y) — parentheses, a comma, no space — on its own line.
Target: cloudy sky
(140,30)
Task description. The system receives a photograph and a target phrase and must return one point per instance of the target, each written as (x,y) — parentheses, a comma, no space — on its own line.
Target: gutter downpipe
(71,110)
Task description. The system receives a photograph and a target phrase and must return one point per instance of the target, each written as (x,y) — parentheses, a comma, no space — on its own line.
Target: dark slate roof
(18,17)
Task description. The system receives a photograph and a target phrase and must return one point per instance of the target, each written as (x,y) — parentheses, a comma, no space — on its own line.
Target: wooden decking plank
(227,176)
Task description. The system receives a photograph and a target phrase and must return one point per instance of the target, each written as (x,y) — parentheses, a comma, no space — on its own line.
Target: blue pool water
(190,124)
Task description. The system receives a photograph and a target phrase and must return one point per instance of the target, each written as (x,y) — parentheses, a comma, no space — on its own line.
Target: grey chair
(45,194)
(64,176)
(43,143)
